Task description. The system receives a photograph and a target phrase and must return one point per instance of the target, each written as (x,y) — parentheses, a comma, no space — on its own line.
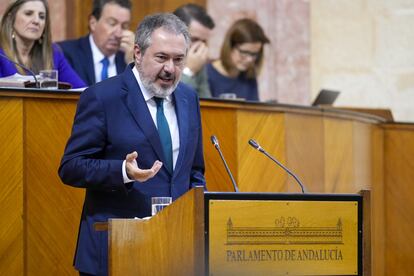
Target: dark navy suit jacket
(79,54)
(112,120)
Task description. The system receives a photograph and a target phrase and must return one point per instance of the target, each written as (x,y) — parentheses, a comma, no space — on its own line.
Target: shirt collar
(147,95)
(97,54)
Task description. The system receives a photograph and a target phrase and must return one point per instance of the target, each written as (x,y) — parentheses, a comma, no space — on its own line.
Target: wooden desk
(332,151)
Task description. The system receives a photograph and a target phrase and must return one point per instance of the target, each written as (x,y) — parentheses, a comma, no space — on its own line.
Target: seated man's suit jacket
(79,54)
(112,120)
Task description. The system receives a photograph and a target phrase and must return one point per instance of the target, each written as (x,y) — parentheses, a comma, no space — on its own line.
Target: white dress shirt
(97,64)
(170,115)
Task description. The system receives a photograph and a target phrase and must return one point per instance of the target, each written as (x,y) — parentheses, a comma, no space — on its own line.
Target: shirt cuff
(124,174)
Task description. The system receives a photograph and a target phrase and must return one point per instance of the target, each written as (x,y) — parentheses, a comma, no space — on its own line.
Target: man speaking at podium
(134,136)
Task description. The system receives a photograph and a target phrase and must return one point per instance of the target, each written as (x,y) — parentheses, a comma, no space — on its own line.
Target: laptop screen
(326,97)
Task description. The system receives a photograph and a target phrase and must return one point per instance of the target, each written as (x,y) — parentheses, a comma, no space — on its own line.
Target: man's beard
(155,89)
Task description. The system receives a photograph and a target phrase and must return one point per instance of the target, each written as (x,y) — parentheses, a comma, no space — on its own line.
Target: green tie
(165,135)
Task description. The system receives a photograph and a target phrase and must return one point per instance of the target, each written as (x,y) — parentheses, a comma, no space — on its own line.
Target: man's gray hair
(167,21)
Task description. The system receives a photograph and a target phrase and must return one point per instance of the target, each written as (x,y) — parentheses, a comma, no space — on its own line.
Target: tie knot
(158,101)
(105,61)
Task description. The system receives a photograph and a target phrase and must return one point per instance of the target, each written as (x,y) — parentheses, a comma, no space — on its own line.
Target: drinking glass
(49,79)
(228,96)
(159,203)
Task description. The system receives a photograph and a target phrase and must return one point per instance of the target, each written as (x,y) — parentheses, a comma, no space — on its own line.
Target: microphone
(23,67)
(256,145)
(217,146)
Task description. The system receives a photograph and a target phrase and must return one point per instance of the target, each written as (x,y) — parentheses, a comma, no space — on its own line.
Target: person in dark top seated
(108,48)
(240,61)
(26,39)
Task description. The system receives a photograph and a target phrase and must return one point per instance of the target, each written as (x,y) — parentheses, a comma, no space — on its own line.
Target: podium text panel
(294,237)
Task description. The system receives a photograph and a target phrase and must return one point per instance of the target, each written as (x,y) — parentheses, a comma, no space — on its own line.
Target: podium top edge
(281,196)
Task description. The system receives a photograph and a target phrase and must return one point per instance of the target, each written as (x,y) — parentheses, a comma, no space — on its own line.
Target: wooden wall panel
(339,175)
(305,151)
(220,122)
(142,8)
(52,227)
(362,156)
(255,171)
(399,203)
(79,11)
(11,187)
(77,14)
(377,205)
(234,128)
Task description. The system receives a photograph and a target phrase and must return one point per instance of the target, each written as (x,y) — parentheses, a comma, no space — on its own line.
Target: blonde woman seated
(26,39)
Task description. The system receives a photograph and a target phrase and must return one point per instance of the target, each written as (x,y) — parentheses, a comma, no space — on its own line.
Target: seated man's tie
(105,65)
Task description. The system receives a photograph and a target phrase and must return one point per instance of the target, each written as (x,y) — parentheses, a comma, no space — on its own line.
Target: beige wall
(364,48)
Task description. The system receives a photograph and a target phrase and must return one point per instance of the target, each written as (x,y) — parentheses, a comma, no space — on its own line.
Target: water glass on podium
(159,203)
(228,96)
(48,79)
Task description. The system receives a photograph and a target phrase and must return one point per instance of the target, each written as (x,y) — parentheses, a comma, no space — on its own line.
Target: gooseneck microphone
(217,146)
(256,145)
(23,67)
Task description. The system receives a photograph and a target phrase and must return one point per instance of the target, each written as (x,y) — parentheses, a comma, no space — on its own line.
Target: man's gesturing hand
(135,173)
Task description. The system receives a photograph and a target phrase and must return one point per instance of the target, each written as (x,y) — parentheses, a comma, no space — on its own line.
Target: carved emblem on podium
(286,231)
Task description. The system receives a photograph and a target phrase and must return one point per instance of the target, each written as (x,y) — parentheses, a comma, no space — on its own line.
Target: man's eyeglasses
(245,53)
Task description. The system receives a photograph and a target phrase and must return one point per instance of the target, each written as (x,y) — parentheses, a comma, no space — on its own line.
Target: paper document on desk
(16,80)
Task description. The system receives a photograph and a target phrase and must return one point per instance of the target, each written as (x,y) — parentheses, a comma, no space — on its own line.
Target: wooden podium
(204,233)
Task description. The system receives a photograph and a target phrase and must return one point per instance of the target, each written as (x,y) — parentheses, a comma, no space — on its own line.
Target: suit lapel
(138,107)
(181,109)
(89,65)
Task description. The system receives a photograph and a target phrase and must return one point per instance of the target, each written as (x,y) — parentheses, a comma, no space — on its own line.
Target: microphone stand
(217,146)
(256,145)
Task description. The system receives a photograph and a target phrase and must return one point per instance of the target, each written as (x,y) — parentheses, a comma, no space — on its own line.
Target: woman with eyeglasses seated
(26,39)
(240,61)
